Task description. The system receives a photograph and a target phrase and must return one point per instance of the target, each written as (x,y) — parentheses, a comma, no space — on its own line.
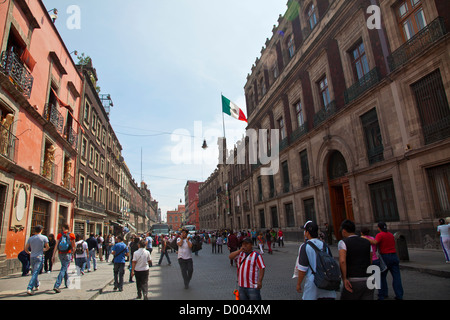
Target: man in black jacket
(92,249)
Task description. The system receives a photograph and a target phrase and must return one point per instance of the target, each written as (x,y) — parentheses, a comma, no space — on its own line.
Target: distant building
(175,218)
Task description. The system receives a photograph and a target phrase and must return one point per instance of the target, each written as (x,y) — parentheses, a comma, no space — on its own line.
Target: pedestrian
(232,244)
(48,255)
(24,258)
(269,240)
(213,240)
(64,246)
(444,234)
(140,268)
(280,238)
(100,241)
(328,234)
(185,257)
(38,244)
(253,233)
(119,251)
(164,249)
(250,272)
(133,246)
(81,254)
(386,245)
(149,243)
(92,244)
(307,264)
(219,242)
(260,239)
(355,257)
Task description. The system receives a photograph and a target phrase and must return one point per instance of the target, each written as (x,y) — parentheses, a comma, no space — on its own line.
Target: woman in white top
(444,231)
(140,269)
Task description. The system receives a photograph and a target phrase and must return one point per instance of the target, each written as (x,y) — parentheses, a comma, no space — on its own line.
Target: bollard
(401,247)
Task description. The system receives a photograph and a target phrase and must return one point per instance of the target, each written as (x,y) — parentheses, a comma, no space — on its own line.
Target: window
(262,219)
(282,128)
(275,71)
(81,188)
(83,148)
(359,61)
(384,203)
(260,192)
(286,181)
(324,92)
(289,210)
(87,107)
(310,213)
(433,107)
(439,178)
(411,18)
(305,168)
(311,15)
(271,187)
(299,114)
(263,87)
(291,46)
(274,214)
(372,134)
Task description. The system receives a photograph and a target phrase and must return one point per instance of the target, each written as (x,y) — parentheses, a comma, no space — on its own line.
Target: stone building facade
(363,117)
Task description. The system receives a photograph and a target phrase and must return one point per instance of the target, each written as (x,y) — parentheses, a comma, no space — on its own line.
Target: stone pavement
(214,278)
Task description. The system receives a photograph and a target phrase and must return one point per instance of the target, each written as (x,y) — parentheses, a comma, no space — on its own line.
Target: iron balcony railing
(11,66)
(71,137)
(324,113)
(8,143)
(362,85)
(417,44)
(48,171)
(52,115)
(300,131)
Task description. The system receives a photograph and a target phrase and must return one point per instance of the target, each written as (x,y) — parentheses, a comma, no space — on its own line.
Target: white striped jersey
(248,271)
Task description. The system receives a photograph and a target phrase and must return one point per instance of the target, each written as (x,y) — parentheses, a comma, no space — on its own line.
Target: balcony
(324,113)
(362,85)
(88,203)
(48,171)
(8,143)
(18,74)
(52,115)
(417,44)
(71,137)
(299,132)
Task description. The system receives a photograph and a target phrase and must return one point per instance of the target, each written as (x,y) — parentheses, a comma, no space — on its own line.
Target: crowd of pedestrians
(357,251)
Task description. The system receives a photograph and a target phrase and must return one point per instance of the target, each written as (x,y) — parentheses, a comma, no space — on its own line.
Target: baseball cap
(382,226)
(311,226)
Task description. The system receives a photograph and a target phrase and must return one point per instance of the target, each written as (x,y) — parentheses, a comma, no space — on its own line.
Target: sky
(165,64)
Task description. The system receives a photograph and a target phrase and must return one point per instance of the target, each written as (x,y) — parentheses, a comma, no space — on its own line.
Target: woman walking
(140,269)
(444,232)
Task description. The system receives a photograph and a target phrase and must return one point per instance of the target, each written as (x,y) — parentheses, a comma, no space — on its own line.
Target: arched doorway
(339,190)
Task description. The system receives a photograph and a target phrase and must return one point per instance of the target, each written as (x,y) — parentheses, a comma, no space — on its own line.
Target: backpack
(64,243)
(79,248)
(173,244)
(196,244)
(328,273)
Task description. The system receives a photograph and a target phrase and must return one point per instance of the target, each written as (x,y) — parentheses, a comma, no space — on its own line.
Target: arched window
(337,167)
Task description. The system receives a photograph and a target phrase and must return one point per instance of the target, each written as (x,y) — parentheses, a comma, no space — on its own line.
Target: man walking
(250,271)
(164,252)
(354,258)
(92,249)
(386,245)
(140,268)
(38,244)
(185,257)
(119,251)
(307,265)
(64,247)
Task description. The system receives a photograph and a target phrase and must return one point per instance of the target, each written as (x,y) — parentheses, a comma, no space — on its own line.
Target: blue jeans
(249,294)
(36,265)
(393,265)
(64,258)
(92,253)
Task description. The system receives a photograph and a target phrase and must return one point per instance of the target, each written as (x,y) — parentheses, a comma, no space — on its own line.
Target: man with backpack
(119,251)
(317,267)
(64,246)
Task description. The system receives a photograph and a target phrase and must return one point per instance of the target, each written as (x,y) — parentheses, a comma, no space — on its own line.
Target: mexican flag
(233,110)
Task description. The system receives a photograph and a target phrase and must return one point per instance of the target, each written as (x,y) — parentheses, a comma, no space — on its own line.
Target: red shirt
(386,242)
(71,236)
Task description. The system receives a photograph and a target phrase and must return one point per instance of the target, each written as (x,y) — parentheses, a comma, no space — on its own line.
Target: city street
(215,279)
